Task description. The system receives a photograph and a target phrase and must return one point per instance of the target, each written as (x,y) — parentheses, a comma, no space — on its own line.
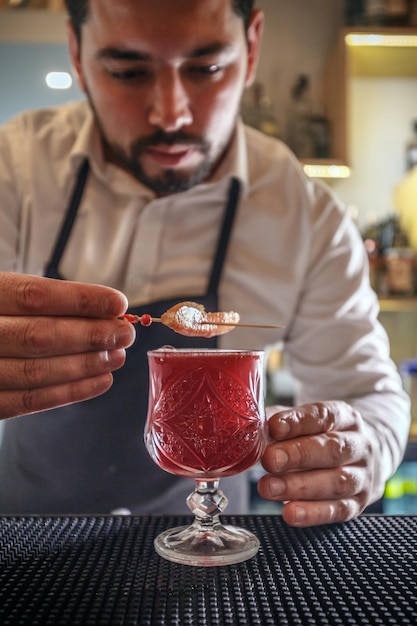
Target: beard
(170,180)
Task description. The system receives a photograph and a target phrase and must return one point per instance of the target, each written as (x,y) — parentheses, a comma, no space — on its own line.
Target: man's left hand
(320,463)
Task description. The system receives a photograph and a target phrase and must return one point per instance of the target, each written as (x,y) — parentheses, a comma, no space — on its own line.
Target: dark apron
(90,457)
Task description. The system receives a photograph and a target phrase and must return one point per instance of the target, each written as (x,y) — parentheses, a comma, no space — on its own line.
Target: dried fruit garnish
(191,319)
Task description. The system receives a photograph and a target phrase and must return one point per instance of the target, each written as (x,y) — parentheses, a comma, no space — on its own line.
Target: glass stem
(206,502)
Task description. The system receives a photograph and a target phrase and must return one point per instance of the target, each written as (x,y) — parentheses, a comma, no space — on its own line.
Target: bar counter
(82,570)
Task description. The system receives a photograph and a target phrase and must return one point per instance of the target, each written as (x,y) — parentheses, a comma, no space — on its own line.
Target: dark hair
(78,12)
(243,8)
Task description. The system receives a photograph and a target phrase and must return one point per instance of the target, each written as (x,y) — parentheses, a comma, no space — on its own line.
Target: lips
(171,156)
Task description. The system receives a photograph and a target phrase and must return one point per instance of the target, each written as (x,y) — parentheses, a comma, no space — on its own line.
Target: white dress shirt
(295,258)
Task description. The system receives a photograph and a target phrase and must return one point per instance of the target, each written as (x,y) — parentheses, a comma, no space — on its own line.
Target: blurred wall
(32,43)
(25,76)
(382,113)
(299,38)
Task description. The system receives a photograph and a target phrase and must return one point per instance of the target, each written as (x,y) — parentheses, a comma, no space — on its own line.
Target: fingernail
(283,428)
(125,335)
(116,358)
(276,486)
(114,303)
(280,459)
(299,514)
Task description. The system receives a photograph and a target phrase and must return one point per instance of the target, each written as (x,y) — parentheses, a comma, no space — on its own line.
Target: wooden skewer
(244,324)
(136,318)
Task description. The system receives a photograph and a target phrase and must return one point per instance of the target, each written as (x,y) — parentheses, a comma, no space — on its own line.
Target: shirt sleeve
(337,349)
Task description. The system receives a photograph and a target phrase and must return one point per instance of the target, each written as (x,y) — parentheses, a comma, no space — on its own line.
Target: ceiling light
(327,171)
(58,80)
(371,39)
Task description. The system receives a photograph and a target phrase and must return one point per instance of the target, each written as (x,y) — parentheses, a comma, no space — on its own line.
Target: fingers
(34,295)
(48,336)
(312,419)
(32,385)
(342,482)
(59,342)
(319,463)
(50,362)
(304,514)
(328,450)
(14,403)
(318,497)
(32,373)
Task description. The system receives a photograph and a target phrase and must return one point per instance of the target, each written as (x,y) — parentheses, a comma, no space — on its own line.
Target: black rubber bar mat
(104,570)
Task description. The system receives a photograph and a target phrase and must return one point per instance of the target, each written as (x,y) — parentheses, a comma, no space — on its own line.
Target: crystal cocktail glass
(206,420)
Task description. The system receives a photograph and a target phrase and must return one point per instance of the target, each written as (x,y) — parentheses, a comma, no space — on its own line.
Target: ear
(74,51)
(254,36)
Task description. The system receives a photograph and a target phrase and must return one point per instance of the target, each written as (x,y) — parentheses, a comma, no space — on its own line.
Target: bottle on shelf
(400,260)
(375,12)
(392,263)
(365,12)
(299,131)
(354,12)
(258,111)
(397,12)
(400,264)
(401,271)
(411,149)
(380,12)
(412,13)
(308,129)
(320,129)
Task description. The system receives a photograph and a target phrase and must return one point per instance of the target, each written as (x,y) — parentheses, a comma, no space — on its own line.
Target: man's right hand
(59,342)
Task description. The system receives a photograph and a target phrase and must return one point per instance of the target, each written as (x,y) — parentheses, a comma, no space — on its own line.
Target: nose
(170,108)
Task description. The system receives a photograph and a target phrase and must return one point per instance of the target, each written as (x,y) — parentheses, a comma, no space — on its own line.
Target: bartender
(150,192)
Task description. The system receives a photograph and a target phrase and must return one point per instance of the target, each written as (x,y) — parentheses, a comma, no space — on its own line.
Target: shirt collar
(234,162)
(88,144)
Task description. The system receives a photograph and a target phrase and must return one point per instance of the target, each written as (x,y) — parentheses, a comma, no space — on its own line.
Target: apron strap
(222,244)
(51,270)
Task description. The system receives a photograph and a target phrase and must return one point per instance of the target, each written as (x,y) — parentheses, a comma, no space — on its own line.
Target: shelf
(363,52)
(325,168)
(383,62)
(396,305)
(384,52)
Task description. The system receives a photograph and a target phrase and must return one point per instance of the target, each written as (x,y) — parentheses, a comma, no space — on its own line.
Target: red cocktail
(206,420)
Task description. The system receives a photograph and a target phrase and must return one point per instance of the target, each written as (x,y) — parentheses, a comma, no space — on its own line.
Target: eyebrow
(126,54)
(213,48)
(122,54)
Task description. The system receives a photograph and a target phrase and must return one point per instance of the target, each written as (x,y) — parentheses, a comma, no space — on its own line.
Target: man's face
(165,80)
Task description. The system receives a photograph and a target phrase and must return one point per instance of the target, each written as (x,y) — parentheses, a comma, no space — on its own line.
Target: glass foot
(207,541)
(207,544)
